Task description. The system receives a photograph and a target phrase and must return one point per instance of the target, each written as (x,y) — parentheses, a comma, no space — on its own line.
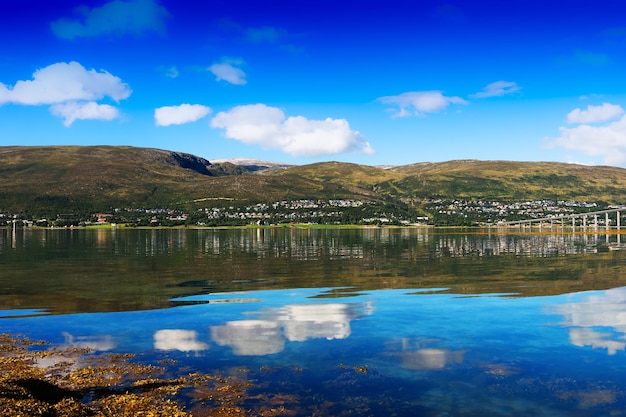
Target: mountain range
(93,178)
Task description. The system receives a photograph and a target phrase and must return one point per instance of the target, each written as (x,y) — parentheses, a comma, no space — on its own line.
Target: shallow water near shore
(342,321)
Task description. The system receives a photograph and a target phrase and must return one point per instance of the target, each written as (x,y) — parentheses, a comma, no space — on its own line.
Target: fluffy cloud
(118,17)
(178,115)
(72,91)
(607,141)
(227,71)
(72,111)
(63,81)
(419,102)
(594,114)
(497,89)
(269,128)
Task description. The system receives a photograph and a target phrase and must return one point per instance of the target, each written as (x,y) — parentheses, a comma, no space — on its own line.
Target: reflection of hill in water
(119,270)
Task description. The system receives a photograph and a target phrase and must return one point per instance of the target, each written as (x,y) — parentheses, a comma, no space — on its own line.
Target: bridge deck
(572,217)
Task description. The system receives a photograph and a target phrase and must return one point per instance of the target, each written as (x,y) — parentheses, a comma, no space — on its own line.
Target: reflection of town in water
(314,244)
(526,245)
(488,320)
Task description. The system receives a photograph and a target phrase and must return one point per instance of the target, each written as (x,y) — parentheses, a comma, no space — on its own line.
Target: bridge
(584,221)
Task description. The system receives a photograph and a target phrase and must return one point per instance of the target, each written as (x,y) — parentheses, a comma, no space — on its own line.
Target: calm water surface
(379,322)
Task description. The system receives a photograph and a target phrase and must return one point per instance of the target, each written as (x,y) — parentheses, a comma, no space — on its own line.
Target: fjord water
(407,322)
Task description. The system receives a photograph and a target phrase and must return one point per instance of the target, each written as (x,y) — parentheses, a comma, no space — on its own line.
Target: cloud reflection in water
(430,358)
(417,355)
(294,323)
(250,337)
(178,339)
(606,309)
(101,343)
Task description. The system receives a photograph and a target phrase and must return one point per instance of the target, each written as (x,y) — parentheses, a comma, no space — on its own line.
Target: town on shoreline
(431,212)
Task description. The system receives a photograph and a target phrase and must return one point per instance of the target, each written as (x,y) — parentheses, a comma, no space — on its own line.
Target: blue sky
(378,83)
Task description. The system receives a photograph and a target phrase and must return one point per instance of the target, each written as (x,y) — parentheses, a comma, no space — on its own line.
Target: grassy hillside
(70,178)
(516,180)
(82,177)
(493,180)
(355,180)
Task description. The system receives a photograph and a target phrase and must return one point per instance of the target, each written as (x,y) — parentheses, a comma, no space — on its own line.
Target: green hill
(83,179)
(57,179)
(512,181)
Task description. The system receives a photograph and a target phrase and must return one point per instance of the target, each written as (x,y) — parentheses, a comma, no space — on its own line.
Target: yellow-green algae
(39,380)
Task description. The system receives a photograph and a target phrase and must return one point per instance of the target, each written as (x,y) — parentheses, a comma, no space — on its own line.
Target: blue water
(379,324)
(427,351)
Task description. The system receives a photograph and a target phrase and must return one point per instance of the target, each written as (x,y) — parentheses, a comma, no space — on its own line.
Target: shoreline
(304,226)
(227,227)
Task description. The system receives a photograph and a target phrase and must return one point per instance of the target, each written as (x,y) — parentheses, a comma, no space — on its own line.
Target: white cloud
(268,127)
(419,102)
(497,89)
(117,17)
(607,141)
(227,71)
(172,72)
(72,91)
(72,111)
(589,96)
(178,115)
(594,114)
(63,81)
